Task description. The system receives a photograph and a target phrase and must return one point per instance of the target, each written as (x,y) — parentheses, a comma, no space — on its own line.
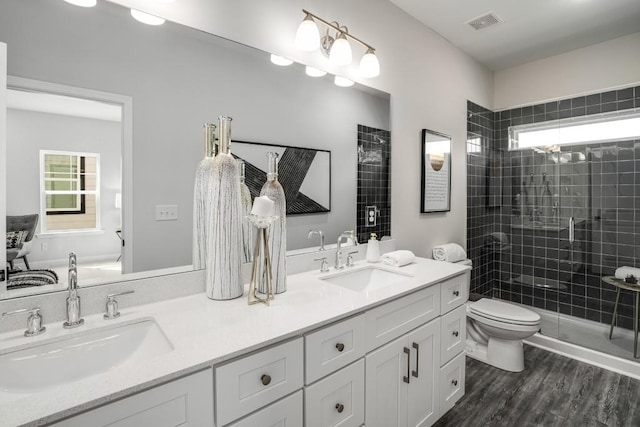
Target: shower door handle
(572,231)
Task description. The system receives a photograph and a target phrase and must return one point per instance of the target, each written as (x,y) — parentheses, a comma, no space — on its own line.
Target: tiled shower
(519,204)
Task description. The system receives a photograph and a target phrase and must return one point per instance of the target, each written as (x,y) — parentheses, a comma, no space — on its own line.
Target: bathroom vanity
(371,344)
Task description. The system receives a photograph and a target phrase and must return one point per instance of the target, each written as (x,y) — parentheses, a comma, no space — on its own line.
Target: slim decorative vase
(247,228)
(224,238)
(202,197)
(277,231)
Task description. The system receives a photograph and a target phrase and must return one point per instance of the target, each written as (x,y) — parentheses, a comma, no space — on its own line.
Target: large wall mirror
(105,122)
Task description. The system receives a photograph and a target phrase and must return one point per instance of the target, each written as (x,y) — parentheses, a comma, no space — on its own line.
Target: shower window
(581,130)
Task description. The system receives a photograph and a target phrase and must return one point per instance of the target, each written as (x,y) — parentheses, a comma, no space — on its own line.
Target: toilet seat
(502,312)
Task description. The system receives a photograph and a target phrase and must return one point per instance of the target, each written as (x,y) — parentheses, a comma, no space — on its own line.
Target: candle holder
(261,256)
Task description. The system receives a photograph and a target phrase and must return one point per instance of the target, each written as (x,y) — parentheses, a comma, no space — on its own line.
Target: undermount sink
(367,279)
(80,355)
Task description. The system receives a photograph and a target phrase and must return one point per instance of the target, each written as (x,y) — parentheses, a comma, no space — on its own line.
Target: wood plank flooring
(552,391)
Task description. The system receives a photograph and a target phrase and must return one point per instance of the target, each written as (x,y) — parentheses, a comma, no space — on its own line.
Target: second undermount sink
(367,279)
(69,358)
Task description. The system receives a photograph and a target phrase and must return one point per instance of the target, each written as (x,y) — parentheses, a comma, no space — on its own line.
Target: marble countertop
(203,333)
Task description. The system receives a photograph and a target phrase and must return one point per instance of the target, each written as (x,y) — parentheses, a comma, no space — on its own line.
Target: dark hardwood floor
(552,391)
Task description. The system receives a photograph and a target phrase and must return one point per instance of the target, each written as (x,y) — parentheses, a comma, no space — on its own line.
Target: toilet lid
(505,312)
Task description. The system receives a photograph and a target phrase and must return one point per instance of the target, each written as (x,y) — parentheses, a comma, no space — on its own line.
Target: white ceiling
(532,29)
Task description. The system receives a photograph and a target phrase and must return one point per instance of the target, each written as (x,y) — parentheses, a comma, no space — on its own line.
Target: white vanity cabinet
(187,401)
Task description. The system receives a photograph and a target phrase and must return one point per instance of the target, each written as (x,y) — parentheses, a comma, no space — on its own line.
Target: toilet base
(504,354)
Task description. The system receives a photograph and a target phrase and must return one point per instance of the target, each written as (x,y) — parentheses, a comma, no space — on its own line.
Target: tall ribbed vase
(202,197)
(224,239)
(247,228)
(277,231)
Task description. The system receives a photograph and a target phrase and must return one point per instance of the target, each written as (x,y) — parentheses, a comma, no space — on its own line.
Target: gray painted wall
(27,133)
(178,81)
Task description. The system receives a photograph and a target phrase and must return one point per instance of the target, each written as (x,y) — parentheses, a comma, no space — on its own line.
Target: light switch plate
(166,212)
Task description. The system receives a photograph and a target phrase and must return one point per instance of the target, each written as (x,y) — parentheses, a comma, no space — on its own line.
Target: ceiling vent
(484,21)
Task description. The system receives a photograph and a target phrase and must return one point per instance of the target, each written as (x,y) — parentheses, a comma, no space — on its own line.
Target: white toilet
(495,330)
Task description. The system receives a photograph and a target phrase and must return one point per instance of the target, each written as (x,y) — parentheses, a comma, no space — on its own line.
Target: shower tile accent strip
(374,185)
(598,184)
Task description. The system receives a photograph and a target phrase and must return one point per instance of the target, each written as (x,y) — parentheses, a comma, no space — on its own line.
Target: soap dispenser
(373,249)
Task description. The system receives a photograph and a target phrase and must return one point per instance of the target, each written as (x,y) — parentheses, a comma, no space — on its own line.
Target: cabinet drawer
(333,347)
(453,333)
(454,292)
(451,383)
(284,413)
(254,381)
(337,400)
(183,402)
(398,317)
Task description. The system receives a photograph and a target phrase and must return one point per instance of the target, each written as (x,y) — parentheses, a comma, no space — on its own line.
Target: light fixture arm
(339,29)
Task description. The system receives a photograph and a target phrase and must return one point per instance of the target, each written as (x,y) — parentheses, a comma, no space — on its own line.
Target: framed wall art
(435,190)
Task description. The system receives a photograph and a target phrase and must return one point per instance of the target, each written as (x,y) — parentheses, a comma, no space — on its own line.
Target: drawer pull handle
(456,333)
(266,379)
(456,293)
(416,372)
(454,382)
(407,379)
(340,347)
(339,407)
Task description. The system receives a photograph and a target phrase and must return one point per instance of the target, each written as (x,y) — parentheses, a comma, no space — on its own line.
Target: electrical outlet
(166,212)
(372,216)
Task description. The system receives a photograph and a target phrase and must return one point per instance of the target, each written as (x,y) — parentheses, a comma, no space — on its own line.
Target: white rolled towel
(623,272)
(398,258)
(449,252)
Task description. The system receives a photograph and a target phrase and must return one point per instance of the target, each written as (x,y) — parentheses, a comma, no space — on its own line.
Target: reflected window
(69,191)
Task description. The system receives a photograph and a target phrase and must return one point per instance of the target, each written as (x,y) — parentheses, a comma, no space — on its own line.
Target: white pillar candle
(263,206)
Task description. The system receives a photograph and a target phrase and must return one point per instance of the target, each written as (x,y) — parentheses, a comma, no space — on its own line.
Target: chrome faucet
(346,235)
(319,233)
(73,300)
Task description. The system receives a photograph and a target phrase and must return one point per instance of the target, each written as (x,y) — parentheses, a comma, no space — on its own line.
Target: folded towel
(623,272)
(450,252)
(398,258)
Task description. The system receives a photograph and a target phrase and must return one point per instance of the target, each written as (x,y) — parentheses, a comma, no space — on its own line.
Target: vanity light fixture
(314,72)
(335,44)
(280,60)
(146,18)
(342,82)
(83,3)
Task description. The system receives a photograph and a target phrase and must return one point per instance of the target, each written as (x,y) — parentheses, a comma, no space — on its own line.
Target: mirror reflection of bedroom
(63,188)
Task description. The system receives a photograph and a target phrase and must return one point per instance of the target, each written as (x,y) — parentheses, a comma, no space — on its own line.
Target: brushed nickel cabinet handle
(407,379)
(456,293)
(456,333)
(340,347)
(339,407)
(454,382)
(266,379)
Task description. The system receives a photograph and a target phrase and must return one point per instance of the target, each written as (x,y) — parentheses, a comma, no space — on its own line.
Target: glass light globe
(146,18)
(369,65)
(340,53)
(280,60)
(314,72)
(342,82)
(308,36)
(83,3)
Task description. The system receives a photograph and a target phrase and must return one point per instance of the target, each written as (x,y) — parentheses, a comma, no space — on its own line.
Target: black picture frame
(435,187)
(299,162)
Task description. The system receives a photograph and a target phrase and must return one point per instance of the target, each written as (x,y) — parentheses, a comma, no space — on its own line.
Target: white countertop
(203,333)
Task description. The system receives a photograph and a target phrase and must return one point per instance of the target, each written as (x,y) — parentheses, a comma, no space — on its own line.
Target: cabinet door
(337,400)
(284,413)
(453,333)
(423,403)
(385,385)
(187,401)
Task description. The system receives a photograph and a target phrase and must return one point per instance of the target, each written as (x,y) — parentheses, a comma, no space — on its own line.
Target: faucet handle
(350,258)
(34,321)
(112,305)
(324,266)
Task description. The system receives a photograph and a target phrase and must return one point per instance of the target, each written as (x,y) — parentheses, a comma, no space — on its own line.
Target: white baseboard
(602,360)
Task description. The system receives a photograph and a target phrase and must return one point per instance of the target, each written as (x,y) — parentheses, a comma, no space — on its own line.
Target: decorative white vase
(224,239)
(277,231)
(202,198)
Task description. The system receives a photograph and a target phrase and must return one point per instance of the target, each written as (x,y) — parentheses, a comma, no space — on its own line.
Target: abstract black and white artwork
(304,173)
